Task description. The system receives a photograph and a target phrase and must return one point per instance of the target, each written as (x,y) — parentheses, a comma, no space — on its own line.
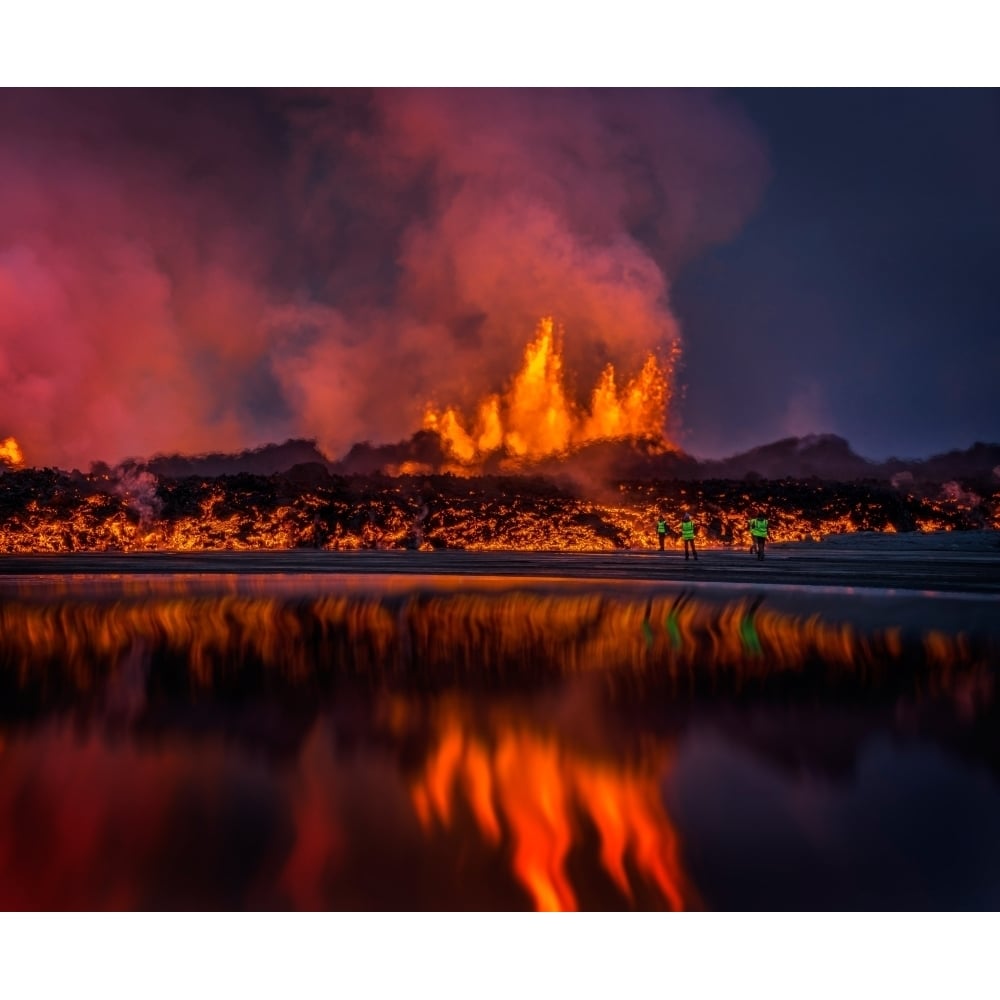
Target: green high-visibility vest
(758,527)
(661,527)
(687,530)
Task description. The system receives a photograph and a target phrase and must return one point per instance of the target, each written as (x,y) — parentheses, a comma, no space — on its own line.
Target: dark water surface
(452,742)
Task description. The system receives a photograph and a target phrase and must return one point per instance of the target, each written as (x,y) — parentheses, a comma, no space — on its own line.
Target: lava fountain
(536,417)
(10,453)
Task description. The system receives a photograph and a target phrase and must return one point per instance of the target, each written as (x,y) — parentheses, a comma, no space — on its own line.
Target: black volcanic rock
(365,459)
(611,461)
(827,457)
(819,456)
(601,460)
(309,474)
(981,460)
(270,460)
(831,458)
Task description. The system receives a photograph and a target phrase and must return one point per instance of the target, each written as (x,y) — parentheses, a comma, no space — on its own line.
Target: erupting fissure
(535,418)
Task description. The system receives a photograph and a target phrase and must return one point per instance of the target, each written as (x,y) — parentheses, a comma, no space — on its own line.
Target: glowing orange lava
(535,418)
(10,453)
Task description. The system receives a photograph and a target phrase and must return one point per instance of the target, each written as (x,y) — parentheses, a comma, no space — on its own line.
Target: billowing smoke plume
(211,270)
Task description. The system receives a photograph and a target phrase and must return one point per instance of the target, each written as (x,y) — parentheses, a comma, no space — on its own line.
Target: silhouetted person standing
(758,533)
(661,530)
(687,533)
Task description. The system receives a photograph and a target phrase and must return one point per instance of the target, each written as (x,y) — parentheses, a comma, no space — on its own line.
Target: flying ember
(536,417)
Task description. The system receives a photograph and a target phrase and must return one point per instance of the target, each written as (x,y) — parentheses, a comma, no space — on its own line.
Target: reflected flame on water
(320,836)
(547,794)
(539,789)
(673,641)
(71,802)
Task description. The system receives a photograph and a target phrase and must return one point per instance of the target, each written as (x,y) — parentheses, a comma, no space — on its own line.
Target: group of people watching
(757,528)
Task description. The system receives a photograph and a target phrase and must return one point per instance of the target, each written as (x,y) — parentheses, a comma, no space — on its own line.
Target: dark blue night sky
(862,297)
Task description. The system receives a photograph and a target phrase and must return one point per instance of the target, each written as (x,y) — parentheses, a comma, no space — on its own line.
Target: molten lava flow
(10,453)
(536,419)
(44,510)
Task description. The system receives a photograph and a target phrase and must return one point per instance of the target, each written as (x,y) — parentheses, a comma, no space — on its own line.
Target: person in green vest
(758,534)
(661,530)
(687,533)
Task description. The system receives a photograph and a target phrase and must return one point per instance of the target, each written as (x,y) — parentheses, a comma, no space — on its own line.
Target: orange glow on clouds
(197,271)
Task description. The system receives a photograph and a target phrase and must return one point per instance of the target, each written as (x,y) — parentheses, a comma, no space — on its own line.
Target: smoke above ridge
(207,270)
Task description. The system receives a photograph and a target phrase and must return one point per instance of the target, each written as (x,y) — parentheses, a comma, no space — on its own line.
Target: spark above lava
(536,418)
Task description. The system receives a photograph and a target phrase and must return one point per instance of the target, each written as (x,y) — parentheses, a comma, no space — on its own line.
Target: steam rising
(209,270)
(138,488)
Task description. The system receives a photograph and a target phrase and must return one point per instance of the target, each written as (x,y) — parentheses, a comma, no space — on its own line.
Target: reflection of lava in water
(439,638)
(88,821)
(523,781)
(199,748)
(91,822)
